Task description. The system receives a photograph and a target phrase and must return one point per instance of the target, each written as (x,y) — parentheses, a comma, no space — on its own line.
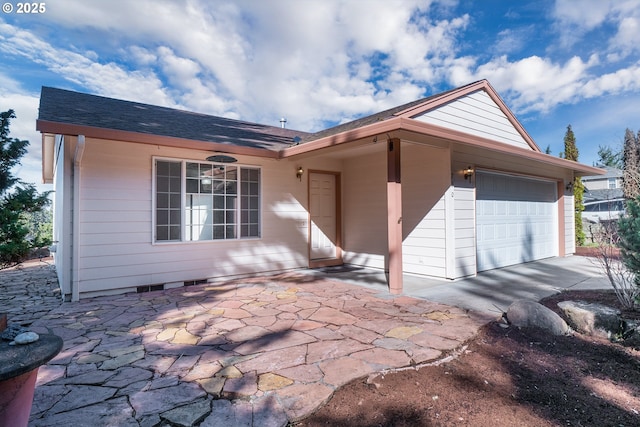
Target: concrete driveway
(490,292)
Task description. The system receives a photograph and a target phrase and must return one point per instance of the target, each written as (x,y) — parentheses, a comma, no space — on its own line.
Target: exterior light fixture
(299,172)
(468,172)
(221,158)
(569,186)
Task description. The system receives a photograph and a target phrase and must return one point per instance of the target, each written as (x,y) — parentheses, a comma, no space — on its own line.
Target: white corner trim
(75,263)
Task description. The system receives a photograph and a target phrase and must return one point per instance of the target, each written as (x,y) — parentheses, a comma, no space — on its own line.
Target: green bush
(629,233)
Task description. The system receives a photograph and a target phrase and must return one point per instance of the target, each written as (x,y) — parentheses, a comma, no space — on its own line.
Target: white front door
(322,208)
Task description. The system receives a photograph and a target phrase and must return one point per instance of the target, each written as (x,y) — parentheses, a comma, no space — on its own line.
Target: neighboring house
(603,187)
(603,196)
(148,197)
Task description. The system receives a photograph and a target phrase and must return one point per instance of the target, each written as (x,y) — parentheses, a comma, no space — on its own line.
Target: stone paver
(260,351)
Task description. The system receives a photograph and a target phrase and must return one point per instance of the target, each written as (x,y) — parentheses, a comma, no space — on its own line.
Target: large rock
(631,334)
(525,313)
(592,318)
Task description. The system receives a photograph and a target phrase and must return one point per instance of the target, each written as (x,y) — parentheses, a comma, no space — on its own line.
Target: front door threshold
(325,262)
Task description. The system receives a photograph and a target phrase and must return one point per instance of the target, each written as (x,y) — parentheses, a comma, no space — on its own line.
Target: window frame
(183,201)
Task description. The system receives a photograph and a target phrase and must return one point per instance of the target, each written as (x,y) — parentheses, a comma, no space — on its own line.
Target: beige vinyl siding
(116,240)
(569,224)
(425,181)
(364,207)
(599,183)
(476,114)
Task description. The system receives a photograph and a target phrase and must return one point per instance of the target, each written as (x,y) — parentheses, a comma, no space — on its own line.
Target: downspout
(75,253)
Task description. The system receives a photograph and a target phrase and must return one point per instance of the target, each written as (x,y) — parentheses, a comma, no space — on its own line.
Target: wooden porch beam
(394,215)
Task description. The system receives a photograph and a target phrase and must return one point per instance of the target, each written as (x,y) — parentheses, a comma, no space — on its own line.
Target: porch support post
(562,231)
(394,216)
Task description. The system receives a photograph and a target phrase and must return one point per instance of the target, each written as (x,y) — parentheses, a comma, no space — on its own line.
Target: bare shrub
(608,256)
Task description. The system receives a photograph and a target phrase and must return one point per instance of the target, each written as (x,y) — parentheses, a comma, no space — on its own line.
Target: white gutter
(75,241)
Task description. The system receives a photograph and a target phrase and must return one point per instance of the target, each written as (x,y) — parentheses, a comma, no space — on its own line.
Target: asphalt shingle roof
(603,194)
(611,173)
(68,107)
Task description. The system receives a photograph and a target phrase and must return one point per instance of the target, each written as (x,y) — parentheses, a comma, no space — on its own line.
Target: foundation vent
(195,282)
(149,288)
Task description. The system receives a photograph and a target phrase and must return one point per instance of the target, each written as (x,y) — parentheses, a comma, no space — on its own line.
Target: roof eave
(401,124)
(57,128)
(455,136)
(369,131)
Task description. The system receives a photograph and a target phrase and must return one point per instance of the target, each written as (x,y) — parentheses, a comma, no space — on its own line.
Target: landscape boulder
(631,334)
(592,318)
(525,313)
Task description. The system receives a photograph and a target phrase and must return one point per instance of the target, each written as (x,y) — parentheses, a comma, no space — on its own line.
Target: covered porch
(407,199)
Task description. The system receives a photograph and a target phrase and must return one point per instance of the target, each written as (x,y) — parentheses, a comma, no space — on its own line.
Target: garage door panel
(516,220)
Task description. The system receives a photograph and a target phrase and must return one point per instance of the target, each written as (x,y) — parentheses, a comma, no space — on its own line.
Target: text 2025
(31,8)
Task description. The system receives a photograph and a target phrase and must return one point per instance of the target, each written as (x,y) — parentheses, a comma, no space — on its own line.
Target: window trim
(183,192)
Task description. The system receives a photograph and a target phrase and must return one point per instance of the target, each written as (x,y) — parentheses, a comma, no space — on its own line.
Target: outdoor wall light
(221,158)
(299,172)
(569,186)
(468,172)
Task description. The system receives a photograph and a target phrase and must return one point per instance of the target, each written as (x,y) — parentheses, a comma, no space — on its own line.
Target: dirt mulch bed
(505,377)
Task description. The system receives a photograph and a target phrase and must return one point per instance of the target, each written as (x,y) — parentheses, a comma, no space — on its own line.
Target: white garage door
(516,220)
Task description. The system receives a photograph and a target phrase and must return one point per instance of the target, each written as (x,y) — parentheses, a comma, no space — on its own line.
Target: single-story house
(148,197)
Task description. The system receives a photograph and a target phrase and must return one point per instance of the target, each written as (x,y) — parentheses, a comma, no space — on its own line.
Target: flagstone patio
(262,351)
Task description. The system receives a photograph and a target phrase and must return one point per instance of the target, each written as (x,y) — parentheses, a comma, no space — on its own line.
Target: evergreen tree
(608,157)
(629,232)
(16,197)
(571,153)
(570,148)
(631,166)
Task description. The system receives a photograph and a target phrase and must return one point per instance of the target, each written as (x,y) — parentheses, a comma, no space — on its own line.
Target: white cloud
(106,79)
(512,40)
(623,80)
(141,56)
(535,83)
(574,21)
(228,58)
(627,39)
(584,16)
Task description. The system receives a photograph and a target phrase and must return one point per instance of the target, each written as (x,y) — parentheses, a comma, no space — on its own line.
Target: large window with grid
(214,201)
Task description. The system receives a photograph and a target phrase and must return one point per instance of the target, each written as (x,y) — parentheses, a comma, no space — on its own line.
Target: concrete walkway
(255,352)
(490,292)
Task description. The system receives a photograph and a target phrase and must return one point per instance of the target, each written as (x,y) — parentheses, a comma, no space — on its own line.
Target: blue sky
(322,62)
